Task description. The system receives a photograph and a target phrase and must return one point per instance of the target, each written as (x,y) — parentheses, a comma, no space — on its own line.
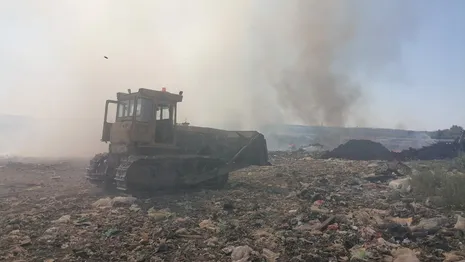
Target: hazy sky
(432,80)
(406,59)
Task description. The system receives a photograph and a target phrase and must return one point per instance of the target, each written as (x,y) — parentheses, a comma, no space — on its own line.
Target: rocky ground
(299,209)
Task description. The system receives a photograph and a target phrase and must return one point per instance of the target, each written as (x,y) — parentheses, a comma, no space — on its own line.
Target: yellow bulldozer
(149,151)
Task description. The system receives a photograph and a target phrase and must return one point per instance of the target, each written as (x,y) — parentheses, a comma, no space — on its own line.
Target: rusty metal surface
(223,144)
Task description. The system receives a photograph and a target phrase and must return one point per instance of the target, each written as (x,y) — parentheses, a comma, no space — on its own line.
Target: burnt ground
(296,210)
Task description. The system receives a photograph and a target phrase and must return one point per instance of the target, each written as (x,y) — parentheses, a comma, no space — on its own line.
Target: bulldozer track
(121,172)
(192,177)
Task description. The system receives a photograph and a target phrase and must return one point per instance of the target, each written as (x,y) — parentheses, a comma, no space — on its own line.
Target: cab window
(125,108)
(163,112)
(144,109)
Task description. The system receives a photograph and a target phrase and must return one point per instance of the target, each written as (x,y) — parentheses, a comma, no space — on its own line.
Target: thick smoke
(240,63)
(332,48)
(310,87)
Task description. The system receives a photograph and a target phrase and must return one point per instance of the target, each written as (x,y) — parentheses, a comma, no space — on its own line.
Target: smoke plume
(332,48)
(240,63)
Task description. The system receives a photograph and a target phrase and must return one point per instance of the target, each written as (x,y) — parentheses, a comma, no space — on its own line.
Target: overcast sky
(405,58)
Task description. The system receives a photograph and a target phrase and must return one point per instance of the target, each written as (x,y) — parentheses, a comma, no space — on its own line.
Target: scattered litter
(134,208)
(269,255)
(429,224)
(102,203)
(403,185)
(460,224)
(241,253)
(122,201)
(404,255)
(296,210)
(111,232)
(402,221)
(208,224)
(159,215)
(63,219)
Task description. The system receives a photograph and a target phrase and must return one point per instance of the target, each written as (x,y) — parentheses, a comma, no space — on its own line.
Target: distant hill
(452,133)
(280,136)
(15,130)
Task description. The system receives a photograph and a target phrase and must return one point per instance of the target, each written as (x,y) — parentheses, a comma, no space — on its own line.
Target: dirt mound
(360,150)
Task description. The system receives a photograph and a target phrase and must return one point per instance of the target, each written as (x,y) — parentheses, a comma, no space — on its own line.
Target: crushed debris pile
(295,154)
(296,210)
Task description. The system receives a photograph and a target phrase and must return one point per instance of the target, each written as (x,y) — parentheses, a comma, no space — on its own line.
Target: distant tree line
(451,133)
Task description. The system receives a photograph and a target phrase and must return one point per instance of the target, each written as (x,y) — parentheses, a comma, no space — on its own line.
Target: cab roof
(155,95)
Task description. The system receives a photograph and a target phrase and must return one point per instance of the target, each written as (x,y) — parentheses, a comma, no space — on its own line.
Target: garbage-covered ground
(299,209)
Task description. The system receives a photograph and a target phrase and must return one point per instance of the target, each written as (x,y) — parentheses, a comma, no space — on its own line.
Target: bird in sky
(106,57)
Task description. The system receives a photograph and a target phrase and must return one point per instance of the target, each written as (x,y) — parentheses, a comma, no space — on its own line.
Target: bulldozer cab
(143,118)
